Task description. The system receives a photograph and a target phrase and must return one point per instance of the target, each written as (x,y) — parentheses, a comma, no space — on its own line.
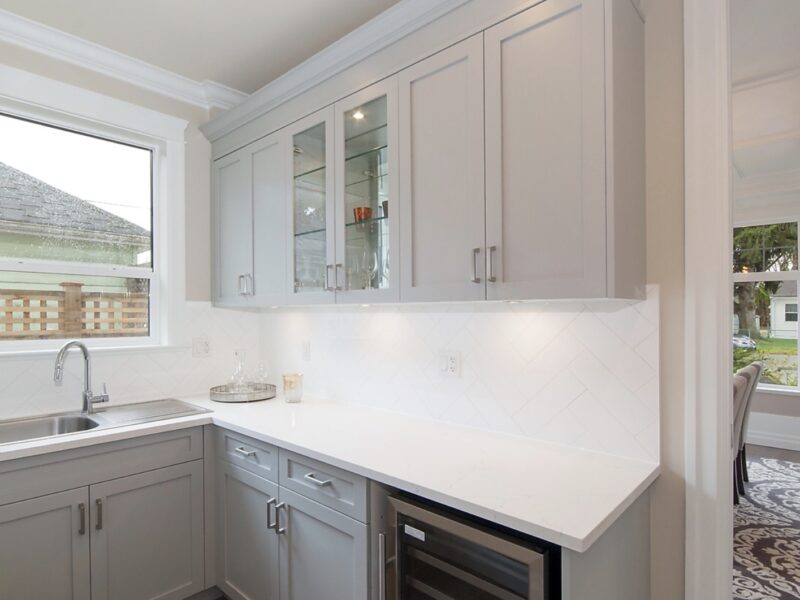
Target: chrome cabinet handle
(270,523)
(245,452)
(318,482)
(475,253)
(99,503)
(241,285)
(339,267)
(82,513)
(328,286)
(490,272)
(248,285)
(381,566)
(278,529)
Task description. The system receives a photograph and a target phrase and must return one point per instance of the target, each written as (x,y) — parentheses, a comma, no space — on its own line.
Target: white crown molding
(397,22)
(34,36)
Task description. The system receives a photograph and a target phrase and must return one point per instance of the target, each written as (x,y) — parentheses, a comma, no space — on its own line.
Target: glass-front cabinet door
(311,253)
(367,230)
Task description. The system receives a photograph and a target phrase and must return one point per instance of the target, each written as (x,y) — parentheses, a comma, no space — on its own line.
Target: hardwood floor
(754,451)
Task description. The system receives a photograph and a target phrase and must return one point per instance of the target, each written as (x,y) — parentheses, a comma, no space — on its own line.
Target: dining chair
(740,384)
(753,373)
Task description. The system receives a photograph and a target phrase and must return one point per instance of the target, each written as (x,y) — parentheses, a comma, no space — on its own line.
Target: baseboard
(774,431)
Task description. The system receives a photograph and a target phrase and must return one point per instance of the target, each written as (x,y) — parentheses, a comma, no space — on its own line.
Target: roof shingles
(30,201)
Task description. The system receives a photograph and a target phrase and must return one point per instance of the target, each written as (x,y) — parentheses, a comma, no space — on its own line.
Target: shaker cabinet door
(147,535)
(545,153)
(268,164)
(323,553)
(311,249)
(442,184)
(367,225)
(232,231)
(247,549)
(44,547)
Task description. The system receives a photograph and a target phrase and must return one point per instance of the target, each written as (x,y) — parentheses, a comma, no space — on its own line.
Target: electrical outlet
(306,351)
(450,363)
(201,347)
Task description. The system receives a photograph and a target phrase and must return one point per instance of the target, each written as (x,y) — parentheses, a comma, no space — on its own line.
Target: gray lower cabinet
(276,543)
(323,553)
(147,535)
(247,559)
(46,533)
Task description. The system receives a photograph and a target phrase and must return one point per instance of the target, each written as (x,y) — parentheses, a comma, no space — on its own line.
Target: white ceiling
(765,72)
(243,44)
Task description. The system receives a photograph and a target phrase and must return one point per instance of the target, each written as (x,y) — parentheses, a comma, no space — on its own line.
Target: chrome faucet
(89,399)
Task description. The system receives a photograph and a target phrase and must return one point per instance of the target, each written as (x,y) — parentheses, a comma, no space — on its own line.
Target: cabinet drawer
(248,453)
(331,486)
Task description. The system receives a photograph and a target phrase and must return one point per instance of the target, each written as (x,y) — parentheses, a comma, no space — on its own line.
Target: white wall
(577,373)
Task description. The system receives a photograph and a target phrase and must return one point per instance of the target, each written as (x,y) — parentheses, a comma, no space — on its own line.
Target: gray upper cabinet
(366,178)
(50,531)
(232,233)
(323,553)
(555,225)
(442,240)
(247,555)
(249,233)
(311,246)
(269,166)
(509,165)
(147,535)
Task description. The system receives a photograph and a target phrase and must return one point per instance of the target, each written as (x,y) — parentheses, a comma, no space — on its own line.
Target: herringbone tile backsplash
(578,373)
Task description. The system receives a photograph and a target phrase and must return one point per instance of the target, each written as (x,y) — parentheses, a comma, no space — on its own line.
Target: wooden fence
(37,314)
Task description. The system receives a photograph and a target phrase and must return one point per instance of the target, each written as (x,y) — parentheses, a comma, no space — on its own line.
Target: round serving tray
(248,392)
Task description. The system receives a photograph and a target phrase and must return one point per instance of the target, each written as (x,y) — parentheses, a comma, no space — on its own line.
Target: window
(76,234)
(790,313)
(765,300)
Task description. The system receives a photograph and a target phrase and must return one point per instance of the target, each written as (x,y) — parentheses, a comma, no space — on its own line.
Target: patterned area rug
(766,538)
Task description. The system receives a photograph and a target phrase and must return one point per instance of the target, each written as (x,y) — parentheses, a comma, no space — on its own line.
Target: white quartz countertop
(563,495)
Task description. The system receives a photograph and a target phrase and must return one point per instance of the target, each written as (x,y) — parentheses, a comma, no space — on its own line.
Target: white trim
(708,306)
(397,22)
(33,96)
(31,35)
(775,431)
(778,390)
(766,276)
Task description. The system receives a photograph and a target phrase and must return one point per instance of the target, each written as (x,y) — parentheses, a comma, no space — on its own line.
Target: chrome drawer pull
(279,530)
(318,482)
(475,253)
(99,503)
(82,511)
(245,452)
(491,277)
(270,523)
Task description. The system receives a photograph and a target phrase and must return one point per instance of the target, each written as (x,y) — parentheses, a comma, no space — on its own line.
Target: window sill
(778,390)
(51,352)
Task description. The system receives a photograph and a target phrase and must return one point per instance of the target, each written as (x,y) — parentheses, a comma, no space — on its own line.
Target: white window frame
(54,103)
(757,276)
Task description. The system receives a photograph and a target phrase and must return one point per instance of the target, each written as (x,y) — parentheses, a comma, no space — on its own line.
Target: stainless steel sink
(29,429)
(114,416)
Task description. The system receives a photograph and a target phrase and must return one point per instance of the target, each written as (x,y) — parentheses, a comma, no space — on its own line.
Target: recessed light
(358,115)
(365,306)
